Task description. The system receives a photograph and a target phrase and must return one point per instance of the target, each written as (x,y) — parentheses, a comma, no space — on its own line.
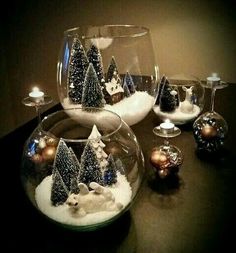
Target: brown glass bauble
(158,159)
(208,132)
(48,153)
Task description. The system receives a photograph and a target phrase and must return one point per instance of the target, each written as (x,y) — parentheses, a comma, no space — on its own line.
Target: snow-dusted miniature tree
(90,169)
(92,91)
(111,69)
(128,80)
(64,163)
(59,192)
(167,99)
(126,90)
(160,88)
(78,65)
(74,188)
(120,166)
(94,57)
(98,146)
(110,176)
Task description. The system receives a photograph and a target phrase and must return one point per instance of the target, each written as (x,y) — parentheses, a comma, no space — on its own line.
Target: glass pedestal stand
(166,158)
(210,129)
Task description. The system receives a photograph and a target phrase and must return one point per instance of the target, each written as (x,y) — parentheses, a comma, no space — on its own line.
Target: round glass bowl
(111,67)
(180,98)
(82,168)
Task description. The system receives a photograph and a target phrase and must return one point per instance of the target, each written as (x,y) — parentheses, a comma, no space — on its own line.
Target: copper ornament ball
(48,153)
(51,142)
(208,132)
(158,158)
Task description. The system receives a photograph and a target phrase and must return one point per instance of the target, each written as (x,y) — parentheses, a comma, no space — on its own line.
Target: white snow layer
(121,191)
(132,109)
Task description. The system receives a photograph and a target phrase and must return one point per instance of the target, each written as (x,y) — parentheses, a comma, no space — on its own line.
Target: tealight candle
(167,127)
(36,95)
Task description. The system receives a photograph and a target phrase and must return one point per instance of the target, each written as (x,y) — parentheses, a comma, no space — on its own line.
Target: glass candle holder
(210,129)
(111,67)
(180,98)
(166,158)
(82,168)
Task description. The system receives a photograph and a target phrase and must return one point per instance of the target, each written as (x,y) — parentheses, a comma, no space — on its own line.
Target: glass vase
(82,168)
(111,67)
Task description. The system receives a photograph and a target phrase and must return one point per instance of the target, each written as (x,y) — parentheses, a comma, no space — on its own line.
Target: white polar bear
(97,200)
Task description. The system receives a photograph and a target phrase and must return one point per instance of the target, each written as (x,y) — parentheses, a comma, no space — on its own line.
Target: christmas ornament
(48,153)
(208,132)
(51,142)
(36,158)
(166,158)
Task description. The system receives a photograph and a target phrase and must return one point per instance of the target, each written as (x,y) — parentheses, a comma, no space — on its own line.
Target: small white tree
(98,146)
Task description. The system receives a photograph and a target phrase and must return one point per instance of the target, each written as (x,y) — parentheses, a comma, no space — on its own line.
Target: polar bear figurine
(97,200)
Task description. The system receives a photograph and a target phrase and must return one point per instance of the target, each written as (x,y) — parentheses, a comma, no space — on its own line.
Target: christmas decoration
(97,200)
(110,176)
(160,88)
(128,81)
(92,92)
(90,169)
(37,158)
(98,146)
(94,57)
(74,187)
(48,153)
(111,69)
(166,158)
(167,99)
(168,104)
(78,65)
(126,90)
(210,129)
(51,141)
(64,163)
(59,191)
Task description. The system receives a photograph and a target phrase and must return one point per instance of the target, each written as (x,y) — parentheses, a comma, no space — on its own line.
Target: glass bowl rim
(47,117)
(143,30)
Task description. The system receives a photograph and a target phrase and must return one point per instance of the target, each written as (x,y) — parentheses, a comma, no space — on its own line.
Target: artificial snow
(178,117)
(121,191)
(131,109)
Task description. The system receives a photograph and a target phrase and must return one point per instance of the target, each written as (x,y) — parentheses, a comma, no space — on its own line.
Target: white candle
(167,127)
(36,95)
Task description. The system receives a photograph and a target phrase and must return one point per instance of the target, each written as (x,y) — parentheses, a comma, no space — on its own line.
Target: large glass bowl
(82,168)
(110,66)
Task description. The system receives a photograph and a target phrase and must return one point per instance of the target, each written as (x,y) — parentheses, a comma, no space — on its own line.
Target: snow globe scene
(113,65)
(83,171)
(180,98)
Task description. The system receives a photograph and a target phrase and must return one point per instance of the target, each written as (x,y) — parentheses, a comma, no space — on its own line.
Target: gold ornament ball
(37,158)
(158,158)
(51,142)
(48,153)
(208,132)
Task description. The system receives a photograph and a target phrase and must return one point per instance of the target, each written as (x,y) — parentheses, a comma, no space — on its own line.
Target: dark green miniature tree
(160,88)
(92,92)
(94,57)
(59,192)
(110,176)
(74,188)
(126,90)
(78,65)
(167,100)
(111,69)
(90,169)
(64,163)
(128,80)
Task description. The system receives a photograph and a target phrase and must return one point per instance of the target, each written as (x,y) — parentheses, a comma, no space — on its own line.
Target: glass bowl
(111,67)
(180,98)
(82,168)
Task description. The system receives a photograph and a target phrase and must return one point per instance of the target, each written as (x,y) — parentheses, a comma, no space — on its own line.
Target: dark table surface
(193,213)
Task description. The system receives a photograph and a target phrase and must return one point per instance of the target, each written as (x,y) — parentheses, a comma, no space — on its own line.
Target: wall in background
(194,37)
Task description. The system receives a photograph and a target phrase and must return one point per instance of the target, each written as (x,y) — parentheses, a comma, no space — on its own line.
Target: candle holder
(166,158)
(37,99)
(210,129)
